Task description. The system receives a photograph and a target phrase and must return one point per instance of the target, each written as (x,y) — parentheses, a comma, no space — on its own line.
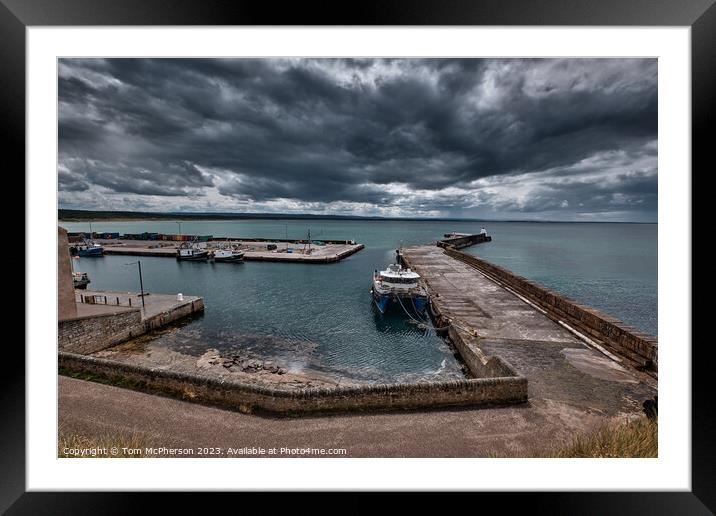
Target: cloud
(434,137)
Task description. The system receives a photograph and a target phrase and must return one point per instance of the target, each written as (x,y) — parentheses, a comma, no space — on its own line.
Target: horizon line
(274,215)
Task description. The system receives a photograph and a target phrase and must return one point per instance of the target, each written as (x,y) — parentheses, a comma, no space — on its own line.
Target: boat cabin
(398,276)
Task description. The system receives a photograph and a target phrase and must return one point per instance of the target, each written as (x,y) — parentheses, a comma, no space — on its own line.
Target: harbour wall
(478,363)
(92,333)
(638,348)
(248,398)
(97,332)
(163,318)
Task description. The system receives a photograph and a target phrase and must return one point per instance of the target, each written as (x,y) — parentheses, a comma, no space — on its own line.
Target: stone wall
(637,347)
(66,308)
(164,318)
(246,397)
(479,364)
(98,332)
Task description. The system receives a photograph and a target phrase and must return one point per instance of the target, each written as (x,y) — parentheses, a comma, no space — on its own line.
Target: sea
(320,318)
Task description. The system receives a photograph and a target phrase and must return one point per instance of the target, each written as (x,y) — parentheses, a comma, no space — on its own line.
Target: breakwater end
(461,240)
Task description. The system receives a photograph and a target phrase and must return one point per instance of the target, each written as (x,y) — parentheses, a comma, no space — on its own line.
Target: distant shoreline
(123,216)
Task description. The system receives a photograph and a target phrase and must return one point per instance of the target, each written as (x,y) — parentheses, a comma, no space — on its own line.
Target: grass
(635,439)
(104,446)
(638,439)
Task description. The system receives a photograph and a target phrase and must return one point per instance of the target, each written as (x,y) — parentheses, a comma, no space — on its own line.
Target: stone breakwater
(234,393)
(633,346)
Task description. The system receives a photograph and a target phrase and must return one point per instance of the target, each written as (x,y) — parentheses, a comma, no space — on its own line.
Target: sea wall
(98,332)
(91,333)
(168,316)
(637,347)
(248,398)
(479,364)
(468,347)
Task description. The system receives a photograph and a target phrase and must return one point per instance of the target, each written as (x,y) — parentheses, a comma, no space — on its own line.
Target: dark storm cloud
(349,130)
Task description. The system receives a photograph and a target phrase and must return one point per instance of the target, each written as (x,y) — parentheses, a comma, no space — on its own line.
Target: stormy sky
(550,139)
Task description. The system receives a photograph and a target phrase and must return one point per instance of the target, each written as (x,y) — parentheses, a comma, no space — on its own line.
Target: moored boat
(190,252)
(80,280)
(88,249)
(398,287)
(228,254)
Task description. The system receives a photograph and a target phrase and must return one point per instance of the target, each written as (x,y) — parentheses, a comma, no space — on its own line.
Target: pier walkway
(493,321)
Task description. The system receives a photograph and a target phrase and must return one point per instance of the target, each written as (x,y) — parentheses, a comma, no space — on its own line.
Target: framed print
(419,248)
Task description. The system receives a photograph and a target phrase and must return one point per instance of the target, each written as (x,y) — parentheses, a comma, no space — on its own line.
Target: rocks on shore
(246,365)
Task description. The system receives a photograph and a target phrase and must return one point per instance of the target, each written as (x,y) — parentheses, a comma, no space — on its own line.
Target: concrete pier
(105,318)
(489,321)
(254,250)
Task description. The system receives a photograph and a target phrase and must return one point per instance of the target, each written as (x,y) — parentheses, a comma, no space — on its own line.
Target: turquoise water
(320,317)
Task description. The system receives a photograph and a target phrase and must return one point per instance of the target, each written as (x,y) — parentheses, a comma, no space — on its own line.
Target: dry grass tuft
(634,439)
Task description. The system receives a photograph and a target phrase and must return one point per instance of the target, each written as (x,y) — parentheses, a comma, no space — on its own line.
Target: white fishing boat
(228,254)
(191,252)
(400,288)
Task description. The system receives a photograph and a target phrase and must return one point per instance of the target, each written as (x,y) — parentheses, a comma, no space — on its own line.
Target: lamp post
(178,222)
(141,283)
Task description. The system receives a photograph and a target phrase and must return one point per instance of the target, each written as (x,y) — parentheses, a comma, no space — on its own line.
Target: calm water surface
(320,317)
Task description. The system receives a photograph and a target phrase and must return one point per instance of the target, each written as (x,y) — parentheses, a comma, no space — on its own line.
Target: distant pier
(276,250)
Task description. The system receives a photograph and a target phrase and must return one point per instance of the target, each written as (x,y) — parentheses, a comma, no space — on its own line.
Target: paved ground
(473,300)
(154,304)
(92,409)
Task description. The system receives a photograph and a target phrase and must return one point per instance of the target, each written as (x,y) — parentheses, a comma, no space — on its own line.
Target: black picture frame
(700,15)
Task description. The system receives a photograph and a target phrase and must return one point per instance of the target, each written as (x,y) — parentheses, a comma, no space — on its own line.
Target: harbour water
(320,317)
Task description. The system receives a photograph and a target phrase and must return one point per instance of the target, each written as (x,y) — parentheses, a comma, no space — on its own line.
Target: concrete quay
(488,321)
(254,250)
(106,318)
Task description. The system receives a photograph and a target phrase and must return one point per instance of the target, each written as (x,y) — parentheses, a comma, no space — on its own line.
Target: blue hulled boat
(399,288)
(89,249)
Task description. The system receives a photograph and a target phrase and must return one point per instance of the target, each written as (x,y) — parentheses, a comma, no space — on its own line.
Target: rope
(419,322)
(408,313)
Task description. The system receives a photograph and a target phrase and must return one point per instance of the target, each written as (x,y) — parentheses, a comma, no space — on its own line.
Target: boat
(89,249)
(228,254)
(398,287)
(189,252)
(80,280)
